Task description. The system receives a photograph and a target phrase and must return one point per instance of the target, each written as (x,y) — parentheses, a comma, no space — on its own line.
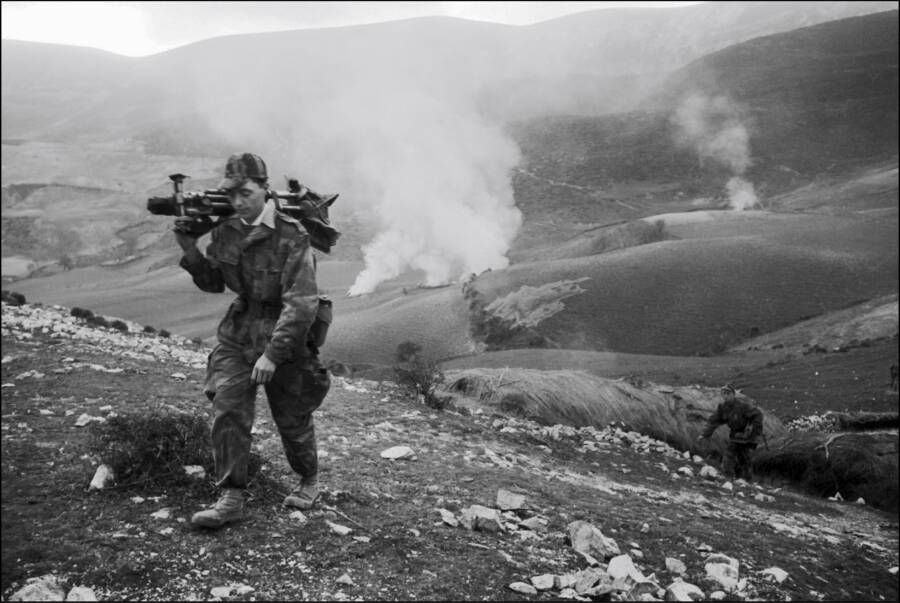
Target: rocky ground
(418,504)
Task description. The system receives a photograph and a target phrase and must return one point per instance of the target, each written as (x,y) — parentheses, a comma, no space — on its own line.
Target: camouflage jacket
(744,419)
(274,274)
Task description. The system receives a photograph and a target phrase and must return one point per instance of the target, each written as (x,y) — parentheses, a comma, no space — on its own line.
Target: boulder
(586,538)
(481,518)
(683,591)
(45,588)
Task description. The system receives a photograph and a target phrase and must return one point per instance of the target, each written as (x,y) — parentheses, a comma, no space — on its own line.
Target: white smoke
(410,153)
(713,127)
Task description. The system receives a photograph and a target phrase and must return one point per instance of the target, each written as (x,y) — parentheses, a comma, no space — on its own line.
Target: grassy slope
(52,524)
(701,295)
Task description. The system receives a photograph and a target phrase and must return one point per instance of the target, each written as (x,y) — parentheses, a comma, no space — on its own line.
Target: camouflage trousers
(737,462)
(294,392)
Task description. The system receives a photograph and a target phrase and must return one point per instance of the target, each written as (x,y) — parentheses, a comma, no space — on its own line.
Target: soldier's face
(248,200)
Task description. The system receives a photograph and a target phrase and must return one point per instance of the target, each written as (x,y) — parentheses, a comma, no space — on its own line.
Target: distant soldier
(745,420)
(894,371)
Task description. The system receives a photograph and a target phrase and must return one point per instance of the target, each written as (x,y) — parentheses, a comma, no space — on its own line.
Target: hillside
(380,532)
(815,101)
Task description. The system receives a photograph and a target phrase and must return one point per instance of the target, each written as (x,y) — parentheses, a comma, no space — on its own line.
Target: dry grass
(675,415)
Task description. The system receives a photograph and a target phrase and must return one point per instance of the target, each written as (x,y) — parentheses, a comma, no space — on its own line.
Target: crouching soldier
(745,420)
(265,257)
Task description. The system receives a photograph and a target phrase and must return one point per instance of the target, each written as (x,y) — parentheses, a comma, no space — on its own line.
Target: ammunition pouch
(319,329)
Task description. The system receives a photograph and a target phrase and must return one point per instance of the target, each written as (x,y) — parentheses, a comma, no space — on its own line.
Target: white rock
(860,501)
(717,595)
(477,517)
(722,569)
(220,591)
(448,518)
(298,516)
(543,582)
(683,591)
(178,376)
(621,566)
(686,471)
(728,486)
(645,528)
(137,499)
(709,472)
(533,523)
(362,539)
(102,478)
(698,459)
(587,539)
(243,589)
(346,580)
(893,570)
(81,593)
(774,574)
(509,501)
(195,471)
(522,588)
(675,566)
(338,529)
(398,452)
(45,588)
(85,418)
(164,513)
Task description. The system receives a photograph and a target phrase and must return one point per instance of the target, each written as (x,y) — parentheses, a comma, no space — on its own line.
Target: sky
(144,28)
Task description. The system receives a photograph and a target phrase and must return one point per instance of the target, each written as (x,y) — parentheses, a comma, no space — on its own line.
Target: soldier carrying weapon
(270,335)
(745,422)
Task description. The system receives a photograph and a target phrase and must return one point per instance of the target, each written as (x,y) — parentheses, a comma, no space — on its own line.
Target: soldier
(745,422)
(264,256)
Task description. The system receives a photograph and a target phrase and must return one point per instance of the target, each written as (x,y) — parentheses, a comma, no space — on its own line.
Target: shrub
(97,321)
(81,313)
(119,326)
(149,329)
(164,333)
(419,374)
(13,298)
(152,447)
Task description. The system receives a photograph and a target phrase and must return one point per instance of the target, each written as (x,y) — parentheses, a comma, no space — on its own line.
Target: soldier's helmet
(242,167)
(728,389)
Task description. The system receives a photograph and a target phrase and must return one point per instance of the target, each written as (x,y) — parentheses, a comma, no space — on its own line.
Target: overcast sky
(142,28)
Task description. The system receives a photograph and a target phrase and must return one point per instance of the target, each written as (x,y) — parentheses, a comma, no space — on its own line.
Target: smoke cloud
(409,152)
(713,127)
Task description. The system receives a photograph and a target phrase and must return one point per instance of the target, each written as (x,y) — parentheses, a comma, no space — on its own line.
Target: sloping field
(370,331)
(874,319)
(366,329)
(730,278)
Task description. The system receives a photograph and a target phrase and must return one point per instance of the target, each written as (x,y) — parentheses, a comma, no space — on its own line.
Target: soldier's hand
(262,370)
(183,236)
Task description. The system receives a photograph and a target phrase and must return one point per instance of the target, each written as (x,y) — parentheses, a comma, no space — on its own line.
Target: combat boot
(304,496)
(229,507)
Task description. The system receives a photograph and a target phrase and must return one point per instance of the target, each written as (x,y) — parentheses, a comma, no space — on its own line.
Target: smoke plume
(713,127)
(407,149)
